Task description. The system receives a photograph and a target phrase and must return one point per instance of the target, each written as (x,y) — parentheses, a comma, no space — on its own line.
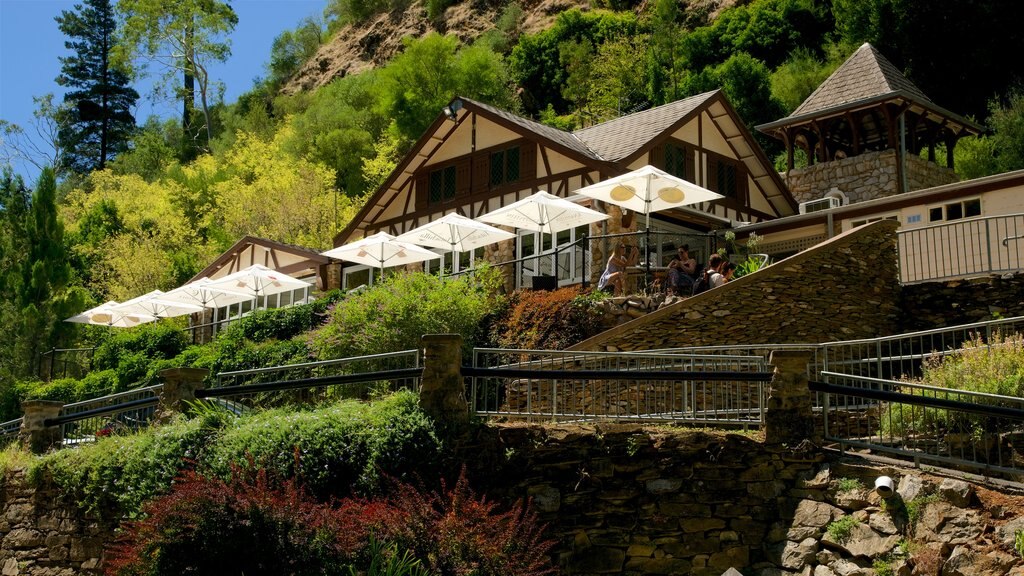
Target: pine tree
(100,99)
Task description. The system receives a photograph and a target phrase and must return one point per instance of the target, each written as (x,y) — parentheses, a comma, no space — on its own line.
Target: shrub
(394,315)
(243,526)
(155,340)
(117,474)
(993,367)
(849,484)
(253,525)
(543,320)
(342,447)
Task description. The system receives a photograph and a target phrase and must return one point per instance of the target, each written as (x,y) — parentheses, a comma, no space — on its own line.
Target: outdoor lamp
(451,110)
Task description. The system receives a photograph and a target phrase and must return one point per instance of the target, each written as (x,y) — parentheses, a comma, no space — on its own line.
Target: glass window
(972,208)
(505,166)
(954,211)
(726,179)
(935,215)
(675,160)
(442,185)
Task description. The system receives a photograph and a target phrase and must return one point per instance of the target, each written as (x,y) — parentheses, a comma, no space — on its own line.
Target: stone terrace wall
(864,177)
(621,499)
(43,535)
(843,289)
(940,304)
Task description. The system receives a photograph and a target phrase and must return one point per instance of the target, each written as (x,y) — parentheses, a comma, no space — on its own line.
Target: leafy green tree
(798,77)
(183,37)
(42,297)
(537,65)
(664,50)
(292,48)
(99,98)
(1006,121)
(151,151)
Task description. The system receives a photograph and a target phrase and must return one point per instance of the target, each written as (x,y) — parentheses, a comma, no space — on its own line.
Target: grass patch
(849,484)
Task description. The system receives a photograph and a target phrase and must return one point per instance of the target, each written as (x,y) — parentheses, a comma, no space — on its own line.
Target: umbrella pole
(647,248)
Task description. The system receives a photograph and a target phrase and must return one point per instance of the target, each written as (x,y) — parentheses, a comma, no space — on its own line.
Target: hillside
(356,48)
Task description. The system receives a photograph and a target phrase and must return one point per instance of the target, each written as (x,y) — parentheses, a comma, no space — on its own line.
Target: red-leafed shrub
(252,526)
(548,320)
(454,532)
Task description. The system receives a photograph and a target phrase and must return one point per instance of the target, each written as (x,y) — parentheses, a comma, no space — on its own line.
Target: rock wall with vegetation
(843,289)
(623,499)
(963,301)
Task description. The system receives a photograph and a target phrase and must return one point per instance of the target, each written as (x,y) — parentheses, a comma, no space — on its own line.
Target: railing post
(35,434)
(180,385)
(789,419)
(442,390)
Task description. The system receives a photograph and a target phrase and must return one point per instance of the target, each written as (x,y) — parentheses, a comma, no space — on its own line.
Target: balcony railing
(970,247)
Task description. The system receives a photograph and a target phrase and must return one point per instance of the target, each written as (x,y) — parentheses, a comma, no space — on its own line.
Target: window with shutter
(675,160)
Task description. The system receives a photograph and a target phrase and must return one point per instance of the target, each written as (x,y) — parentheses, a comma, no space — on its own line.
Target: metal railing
(586,386)
(902,356)
(113,414)
(65,363)
(951,428)
(571,263)
(313,383)
(974,246)
(9,432)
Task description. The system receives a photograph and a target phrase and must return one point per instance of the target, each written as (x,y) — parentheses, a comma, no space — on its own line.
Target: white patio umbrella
(455,232)
(152,304)
(201,293)
(255,281)
(381,250)
(543,212)
(648,189)
(107,315)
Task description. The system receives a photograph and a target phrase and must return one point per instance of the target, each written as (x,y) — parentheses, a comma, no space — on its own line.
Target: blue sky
(30,44)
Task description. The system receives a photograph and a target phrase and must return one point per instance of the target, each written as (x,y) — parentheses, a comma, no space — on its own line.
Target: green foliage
(800,75)
(394,315)
(342,12)
(916,507)
(1018,542)
(100,98)
(993,367)
(537,62)
(337,448)
(117,474)
(841,529)
(849,484)
(768,31)
(292,48)
(156,340)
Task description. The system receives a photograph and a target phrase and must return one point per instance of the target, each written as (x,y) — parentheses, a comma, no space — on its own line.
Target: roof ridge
(649,110)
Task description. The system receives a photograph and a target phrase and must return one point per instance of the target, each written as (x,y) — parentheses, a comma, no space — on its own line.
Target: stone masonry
(843,289)
(864,177)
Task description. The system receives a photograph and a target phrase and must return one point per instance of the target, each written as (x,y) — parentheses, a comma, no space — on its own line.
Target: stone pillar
(442,389)
(35,434)
(788,417)
(180,385)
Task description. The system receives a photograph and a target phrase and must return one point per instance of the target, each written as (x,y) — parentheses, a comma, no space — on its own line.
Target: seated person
(614,274)
(681,271)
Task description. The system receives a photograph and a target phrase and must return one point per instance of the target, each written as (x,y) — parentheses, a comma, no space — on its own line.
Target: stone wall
(864,177)
(954,302)
(621,499)
(41,534)
(842,289)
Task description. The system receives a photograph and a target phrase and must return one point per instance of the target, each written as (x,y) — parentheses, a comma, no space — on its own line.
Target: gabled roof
(565,139)
(865,75)
(618,139)
(867,78)
(309,257)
